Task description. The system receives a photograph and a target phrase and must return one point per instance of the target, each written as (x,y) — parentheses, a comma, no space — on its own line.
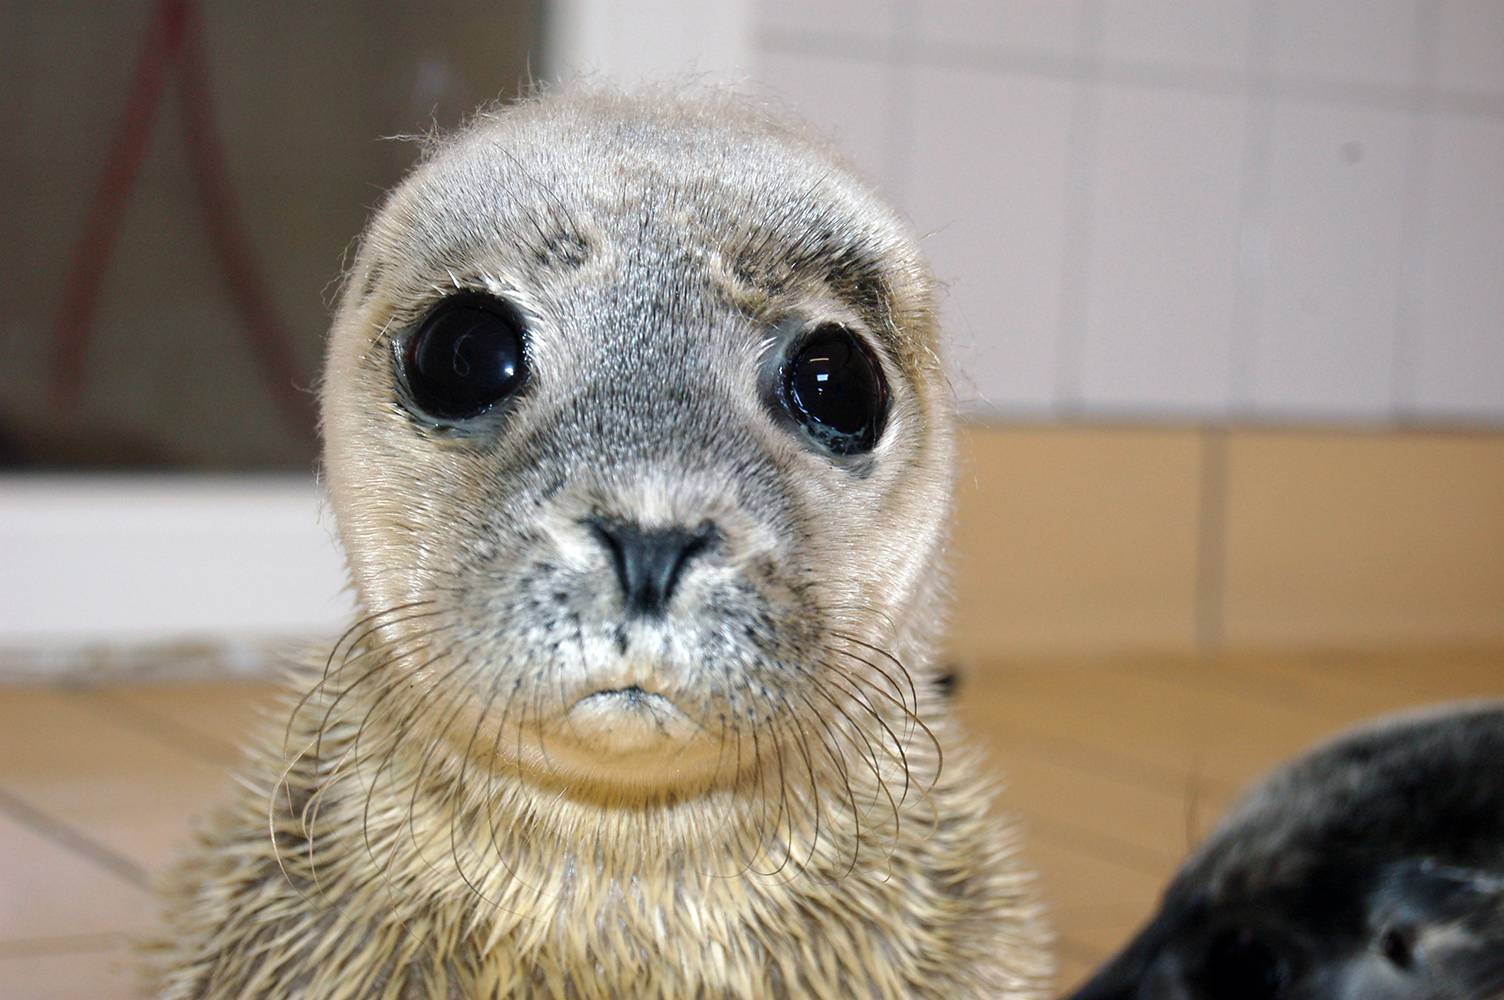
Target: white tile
(866,20)
(988,181)
(845,99)
(1164,248)
(1324,336)
(1459,334)
(1197,34)
(1047,26)
(1470,46)
(1353,41)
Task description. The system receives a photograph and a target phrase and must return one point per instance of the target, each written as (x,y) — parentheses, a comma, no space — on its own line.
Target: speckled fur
(1370,869)
(424,826)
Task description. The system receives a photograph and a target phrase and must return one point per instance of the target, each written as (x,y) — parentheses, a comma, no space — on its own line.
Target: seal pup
(639,445)
(1372,869)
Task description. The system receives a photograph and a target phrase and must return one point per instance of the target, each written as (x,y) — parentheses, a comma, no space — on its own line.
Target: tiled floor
(1116,767)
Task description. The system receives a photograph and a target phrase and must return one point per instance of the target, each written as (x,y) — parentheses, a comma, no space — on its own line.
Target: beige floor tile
(1117,766)
(1141,823)
(1101,930)
(90,975)
(48,891)
(1387,681)
(1106,715)
(131,792)
(1092,936)
(213,719)
(1073,970)
(1193,733)
(1076,882)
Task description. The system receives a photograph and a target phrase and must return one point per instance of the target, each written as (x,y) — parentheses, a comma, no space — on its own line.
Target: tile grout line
(1254,236)
(63,835)
(163,729)
(899,120)
(1118,767)
(1082,147)
(73,944)
(1414,215)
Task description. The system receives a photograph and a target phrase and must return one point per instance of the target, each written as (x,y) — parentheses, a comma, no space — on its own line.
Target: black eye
(466,356)
(833,386)
(1240,966)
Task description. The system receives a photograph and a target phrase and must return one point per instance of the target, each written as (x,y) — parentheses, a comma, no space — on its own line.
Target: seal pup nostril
(648,562)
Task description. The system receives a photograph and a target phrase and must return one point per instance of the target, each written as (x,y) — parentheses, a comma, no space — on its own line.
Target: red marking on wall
(174,42)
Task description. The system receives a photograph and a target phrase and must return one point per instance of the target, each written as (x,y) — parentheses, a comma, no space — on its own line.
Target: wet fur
(420,828)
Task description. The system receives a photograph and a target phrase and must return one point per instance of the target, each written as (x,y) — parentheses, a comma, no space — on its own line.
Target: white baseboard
(96,562)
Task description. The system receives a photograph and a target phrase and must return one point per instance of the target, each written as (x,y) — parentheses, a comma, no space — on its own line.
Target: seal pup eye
(833,386)
(1241,966)
(465,357)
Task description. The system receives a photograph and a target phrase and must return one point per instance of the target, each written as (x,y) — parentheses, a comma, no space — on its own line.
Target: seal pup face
(1372,869)
(640,451)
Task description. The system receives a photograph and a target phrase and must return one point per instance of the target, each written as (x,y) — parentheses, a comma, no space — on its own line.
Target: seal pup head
(640,449)
(1372,869)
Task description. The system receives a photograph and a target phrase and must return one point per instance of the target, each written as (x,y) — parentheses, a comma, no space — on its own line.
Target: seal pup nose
(649,562)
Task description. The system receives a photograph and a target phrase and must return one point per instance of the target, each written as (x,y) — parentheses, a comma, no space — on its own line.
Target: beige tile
(1073,970)
(1076,883)
(1075,539)
(1102,930)
(1397,677)
(1116,765)
(1147,826)
(97,975)
(1090,937)
(1352,539)
(212,719)
(48,891)
(129,791)
(1180,736)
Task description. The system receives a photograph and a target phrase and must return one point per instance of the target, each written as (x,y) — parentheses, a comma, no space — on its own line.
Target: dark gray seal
(1371,869)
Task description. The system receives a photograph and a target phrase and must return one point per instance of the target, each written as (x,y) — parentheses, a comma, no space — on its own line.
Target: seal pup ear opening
(1437,932)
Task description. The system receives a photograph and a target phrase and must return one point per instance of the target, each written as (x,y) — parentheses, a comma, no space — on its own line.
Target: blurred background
(1225,293)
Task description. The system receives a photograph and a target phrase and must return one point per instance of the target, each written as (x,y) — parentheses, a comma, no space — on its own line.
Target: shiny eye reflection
(465,357)
(834,387)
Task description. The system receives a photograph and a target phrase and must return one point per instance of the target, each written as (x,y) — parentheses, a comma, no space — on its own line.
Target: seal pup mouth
(626,721)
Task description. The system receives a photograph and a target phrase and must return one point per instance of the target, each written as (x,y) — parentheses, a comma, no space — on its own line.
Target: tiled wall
(1206,210)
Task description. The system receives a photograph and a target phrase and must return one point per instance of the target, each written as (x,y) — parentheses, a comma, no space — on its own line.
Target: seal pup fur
(1371,869)
(640,448)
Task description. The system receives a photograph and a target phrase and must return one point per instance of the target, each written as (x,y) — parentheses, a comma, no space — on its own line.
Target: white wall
(161,558)
(1262,210)
(633,40)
